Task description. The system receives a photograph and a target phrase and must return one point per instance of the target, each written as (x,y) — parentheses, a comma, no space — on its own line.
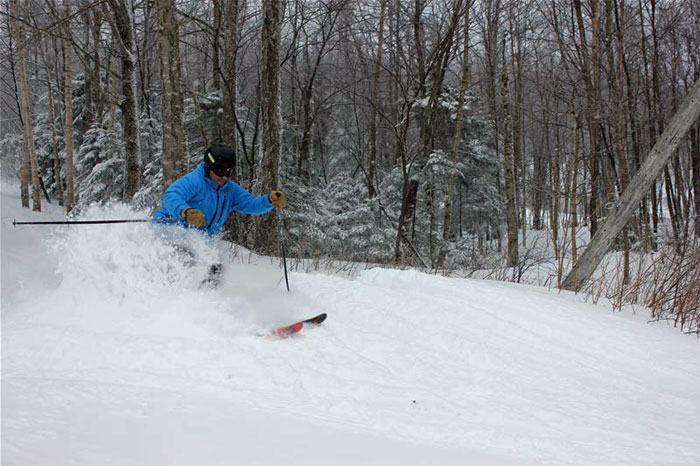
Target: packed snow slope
(113,354)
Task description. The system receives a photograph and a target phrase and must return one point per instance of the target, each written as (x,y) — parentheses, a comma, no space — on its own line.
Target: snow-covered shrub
(667,282)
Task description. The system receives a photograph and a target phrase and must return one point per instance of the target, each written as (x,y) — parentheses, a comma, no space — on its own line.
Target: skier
(204,198)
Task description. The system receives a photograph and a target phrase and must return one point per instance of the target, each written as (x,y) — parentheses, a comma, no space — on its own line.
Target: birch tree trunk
(68,122)
(639,185)
(24,168)
(25,112)
(174,151)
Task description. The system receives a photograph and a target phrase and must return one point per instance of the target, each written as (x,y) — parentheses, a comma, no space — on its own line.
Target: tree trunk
(555,196)
(327,26)
(174,151)
(26,116)
(304,159)
(509,173)
(617,83)
(573,196)
(230,54)
(374,103)
(418,7)
(656,161)
(439,62)
(410,186)
(653,201)
(267,236)
(99,92)
(492,18)
(448,231)
(633,115)
(144,63)
(54,135)
(518,156)
(695,161)
(233,230)
(215,68)
(130,107)
(24,169)
(68,122)
(591,74)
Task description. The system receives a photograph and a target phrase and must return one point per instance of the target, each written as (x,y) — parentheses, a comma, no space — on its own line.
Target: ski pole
(81,222)
(284,254)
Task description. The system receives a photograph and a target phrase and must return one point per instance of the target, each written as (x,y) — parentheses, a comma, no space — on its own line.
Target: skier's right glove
(194,217)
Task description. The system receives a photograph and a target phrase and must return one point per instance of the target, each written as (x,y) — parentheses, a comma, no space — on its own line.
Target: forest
(486,138)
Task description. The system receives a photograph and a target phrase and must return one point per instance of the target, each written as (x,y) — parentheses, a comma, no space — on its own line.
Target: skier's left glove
(278,199)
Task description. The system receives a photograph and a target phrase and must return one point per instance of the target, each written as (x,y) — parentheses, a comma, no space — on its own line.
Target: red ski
(289,330)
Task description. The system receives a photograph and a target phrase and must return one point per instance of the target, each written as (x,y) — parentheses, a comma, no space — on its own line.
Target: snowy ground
(111,354)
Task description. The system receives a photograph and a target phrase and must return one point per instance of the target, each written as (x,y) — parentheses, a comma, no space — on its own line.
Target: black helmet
(219,155)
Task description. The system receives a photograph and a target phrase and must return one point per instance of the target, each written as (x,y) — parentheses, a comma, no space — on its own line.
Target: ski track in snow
(111,354)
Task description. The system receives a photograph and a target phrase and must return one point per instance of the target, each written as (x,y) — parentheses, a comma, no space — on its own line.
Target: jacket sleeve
(245,202)
(178,194)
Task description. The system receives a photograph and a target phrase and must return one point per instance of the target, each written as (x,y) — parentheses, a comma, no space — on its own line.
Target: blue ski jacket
(197,190)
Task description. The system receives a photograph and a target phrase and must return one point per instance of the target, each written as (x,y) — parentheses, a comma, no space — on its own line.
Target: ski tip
(317,319)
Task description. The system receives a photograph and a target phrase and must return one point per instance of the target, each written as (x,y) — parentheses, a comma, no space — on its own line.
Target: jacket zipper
(217,208)
(221,214)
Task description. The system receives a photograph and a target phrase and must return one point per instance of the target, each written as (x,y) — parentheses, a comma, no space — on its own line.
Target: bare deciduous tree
(656,161)
(30,154)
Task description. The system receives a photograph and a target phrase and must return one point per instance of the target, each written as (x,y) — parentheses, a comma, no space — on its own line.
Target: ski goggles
(222,171)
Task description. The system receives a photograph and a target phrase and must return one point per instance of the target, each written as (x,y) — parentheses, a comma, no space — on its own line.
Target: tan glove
(278,199)
(194,217)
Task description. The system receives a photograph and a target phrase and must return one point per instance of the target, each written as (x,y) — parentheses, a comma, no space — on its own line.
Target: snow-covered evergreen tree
(476,168)
(336,222)
(99,170)
(11,157)
(201,119)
